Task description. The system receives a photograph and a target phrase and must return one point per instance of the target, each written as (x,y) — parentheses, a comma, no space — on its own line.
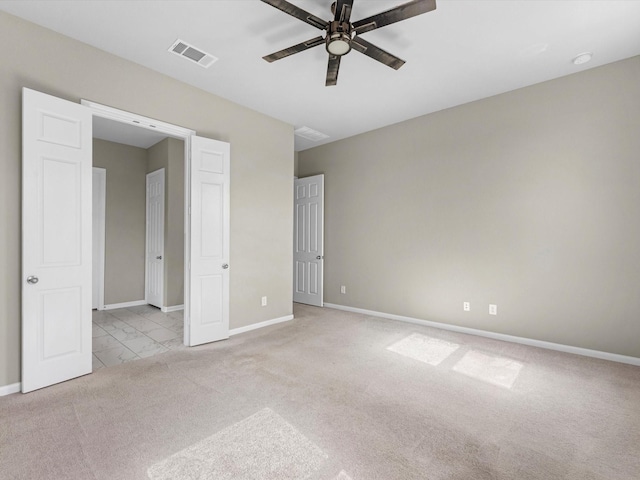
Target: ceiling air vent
(310,134)
(192,53)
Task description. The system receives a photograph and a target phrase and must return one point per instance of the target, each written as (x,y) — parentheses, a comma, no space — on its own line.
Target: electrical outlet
(466,306)
(264,301)
(493,309)
(343,289)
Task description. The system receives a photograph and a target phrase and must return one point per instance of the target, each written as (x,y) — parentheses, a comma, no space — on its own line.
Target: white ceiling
(463,51)
(125,133)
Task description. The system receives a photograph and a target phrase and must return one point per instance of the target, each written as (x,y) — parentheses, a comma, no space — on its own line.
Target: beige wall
(169,154)
(261,166)
(529,200)
(125,219)
(174,228)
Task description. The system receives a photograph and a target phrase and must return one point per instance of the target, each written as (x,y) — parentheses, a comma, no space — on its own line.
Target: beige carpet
(333,395)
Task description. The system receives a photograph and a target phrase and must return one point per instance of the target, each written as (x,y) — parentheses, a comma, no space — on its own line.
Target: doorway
(206,213)
(139,167)
(56,240)
(135,220)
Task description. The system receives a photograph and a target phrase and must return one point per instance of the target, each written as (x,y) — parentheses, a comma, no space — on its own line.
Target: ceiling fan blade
(332,70)
(401,12)
(301,47)
(299,13)
(376,53)
(343,10)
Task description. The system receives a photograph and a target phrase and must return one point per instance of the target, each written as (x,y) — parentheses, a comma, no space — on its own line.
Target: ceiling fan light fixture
(338,43)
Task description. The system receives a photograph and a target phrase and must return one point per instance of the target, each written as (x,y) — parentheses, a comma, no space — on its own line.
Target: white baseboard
(113,306)
(255,326)
(9,389)
(173,308)
(614,357)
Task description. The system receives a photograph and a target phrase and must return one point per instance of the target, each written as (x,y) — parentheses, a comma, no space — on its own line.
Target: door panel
(212,202)
(56,240)
(60,185)
(61,322)
(209,248)
(308,255)
(211,310)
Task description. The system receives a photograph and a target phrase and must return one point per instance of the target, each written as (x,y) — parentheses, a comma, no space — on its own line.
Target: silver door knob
(159,257)
(319,257)
(225,266)
(32,280)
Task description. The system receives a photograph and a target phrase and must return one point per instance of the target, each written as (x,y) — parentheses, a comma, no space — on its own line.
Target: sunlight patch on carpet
(499,371)
(425,349)
(343,476)
(261,446)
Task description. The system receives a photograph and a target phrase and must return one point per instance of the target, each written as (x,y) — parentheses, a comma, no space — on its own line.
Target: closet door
(154,253)
(308,241)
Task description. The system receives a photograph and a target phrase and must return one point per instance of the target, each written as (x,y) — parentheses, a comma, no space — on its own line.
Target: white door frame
(170,130)
(99,221)
(149,239)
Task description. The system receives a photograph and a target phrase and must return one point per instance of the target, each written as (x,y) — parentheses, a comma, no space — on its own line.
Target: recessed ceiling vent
(192,53)
(310,134)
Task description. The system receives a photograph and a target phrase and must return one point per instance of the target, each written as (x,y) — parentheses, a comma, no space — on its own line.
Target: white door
(56,240)
(99,184)
(208,253)
(154,268)
(308,245)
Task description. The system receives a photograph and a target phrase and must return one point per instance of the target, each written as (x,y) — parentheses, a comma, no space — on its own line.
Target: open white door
(208,254)
(154,271)
(56,240)
(308,244)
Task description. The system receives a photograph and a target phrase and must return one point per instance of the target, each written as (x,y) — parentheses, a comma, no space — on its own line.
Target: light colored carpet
(334,395)
(262,446)
(425,349)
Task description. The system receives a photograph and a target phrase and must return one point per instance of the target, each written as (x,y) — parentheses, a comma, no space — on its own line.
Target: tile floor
(132,333)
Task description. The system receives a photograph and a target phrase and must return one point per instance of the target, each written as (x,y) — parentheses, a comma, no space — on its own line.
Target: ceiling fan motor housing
(339,38)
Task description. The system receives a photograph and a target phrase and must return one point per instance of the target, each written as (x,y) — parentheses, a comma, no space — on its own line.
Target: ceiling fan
(342,36)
